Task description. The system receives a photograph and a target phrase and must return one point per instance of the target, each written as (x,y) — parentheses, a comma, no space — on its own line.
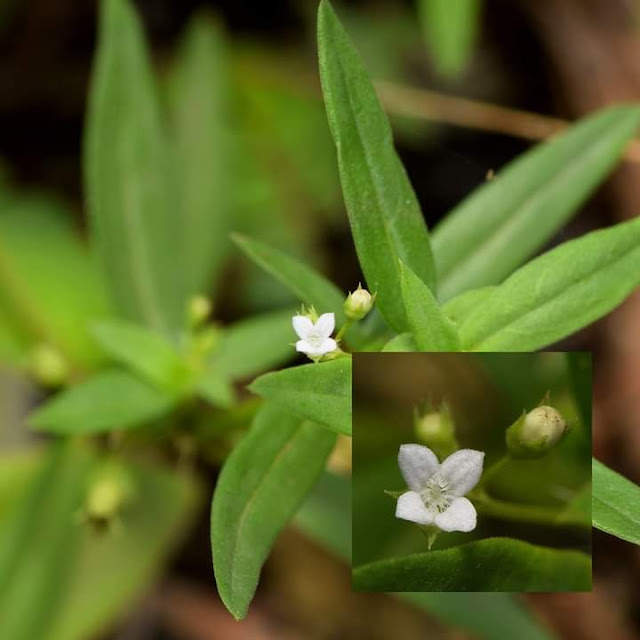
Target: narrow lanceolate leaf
(464,304)
(305,283)
(109,400)
(262,484)
(319,392)
(385,216)
(503,223)
(131,196)
(492,564)
(430,328)
(403,342)
(449,29)
(616,503)
(558,293)
(198,99)
(144,351)
(255,344)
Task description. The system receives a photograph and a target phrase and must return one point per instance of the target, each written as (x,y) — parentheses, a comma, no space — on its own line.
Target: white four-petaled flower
(437,490)
(315,339)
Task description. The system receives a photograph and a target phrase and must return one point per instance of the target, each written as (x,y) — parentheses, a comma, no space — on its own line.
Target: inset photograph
(472,472)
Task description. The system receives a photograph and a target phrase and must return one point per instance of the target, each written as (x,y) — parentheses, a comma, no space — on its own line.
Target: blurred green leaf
(129,179)
(580,374)
(38,544)
(490,616)
(504,222)
(111,399)
(50,289)
(214,387)
(492,564)
(320,392)
(255,344)
(385,217)
(403,342)
(145,351)
(616,503)
(198,99)
(262,484)
(310,287)
(450,30)
(325,515)
(113,570)
(430,328)
(461,307)
(558,293)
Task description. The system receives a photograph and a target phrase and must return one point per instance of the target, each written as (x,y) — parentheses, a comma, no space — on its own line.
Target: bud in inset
(536,432)
(48,366)
(436,430)
(108,494)
(358,304)
(198,310)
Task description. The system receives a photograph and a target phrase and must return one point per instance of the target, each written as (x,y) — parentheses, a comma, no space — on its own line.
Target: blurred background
(559,59)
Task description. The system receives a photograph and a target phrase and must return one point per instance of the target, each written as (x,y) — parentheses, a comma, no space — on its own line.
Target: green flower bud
(536,432)
(198,310)
(358,304)
(109,492)
(436,430)
(48,366)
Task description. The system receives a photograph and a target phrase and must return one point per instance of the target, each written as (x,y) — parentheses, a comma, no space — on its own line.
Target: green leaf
(385,216)
(450,30)
(320,392)
(492,564)
(312,288)
(145,351)
(431,329)
(490,616)
(198,100)
(402,343)
(113,571)
(262,484)
(504,222)
(40,255)
(38,544)
(111,399)
(325,514)
(129,179)
(558,293)
(214,387)
(616,503)
(464,304)
(255,344)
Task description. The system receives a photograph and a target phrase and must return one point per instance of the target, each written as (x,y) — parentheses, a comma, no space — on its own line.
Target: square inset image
(472,472)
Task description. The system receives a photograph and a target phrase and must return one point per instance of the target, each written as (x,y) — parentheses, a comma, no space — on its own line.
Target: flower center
(435,494)
(314,338)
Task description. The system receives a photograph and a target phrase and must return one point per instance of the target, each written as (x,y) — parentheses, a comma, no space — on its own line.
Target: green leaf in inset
(492,564)
(320,392)
(385,216)
(308,285)
(255,344)
(111,399)
(504,222)
(450,31)
(431,329)
(463,305)
(558,293)
(144,351)
(214,387)
(402,343)
(198,99)
(616,503)
(129,179)
(262,484)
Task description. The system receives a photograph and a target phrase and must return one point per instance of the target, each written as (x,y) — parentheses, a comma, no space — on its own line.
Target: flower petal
(410,507)
(326,324)
(304,347)
(460,516)
(328,345)
(417,464)
(462,470)
(302,326)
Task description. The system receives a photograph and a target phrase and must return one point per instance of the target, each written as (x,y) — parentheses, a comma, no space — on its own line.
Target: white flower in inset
(315,339)
(437,490)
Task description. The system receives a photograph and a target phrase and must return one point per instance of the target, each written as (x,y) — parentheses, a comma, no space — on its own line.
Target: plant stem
(517,512)
(343,330)
(493,470)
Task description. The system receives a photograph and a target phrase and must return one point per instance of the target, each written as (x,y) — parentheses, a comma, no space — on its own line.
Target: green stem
(343,330)
(493,470)
(517,512)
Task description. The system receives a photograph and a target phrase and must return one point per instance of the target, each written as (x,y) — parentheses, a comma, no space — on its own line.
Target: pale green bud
(109,492)
(536,432)
(358,304)
(198,310)
(48,366)
(436,430)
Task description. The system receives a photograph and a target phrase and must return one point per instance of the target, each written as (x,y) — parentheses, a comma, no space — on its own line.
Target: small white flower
(315,339)
(437,490)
